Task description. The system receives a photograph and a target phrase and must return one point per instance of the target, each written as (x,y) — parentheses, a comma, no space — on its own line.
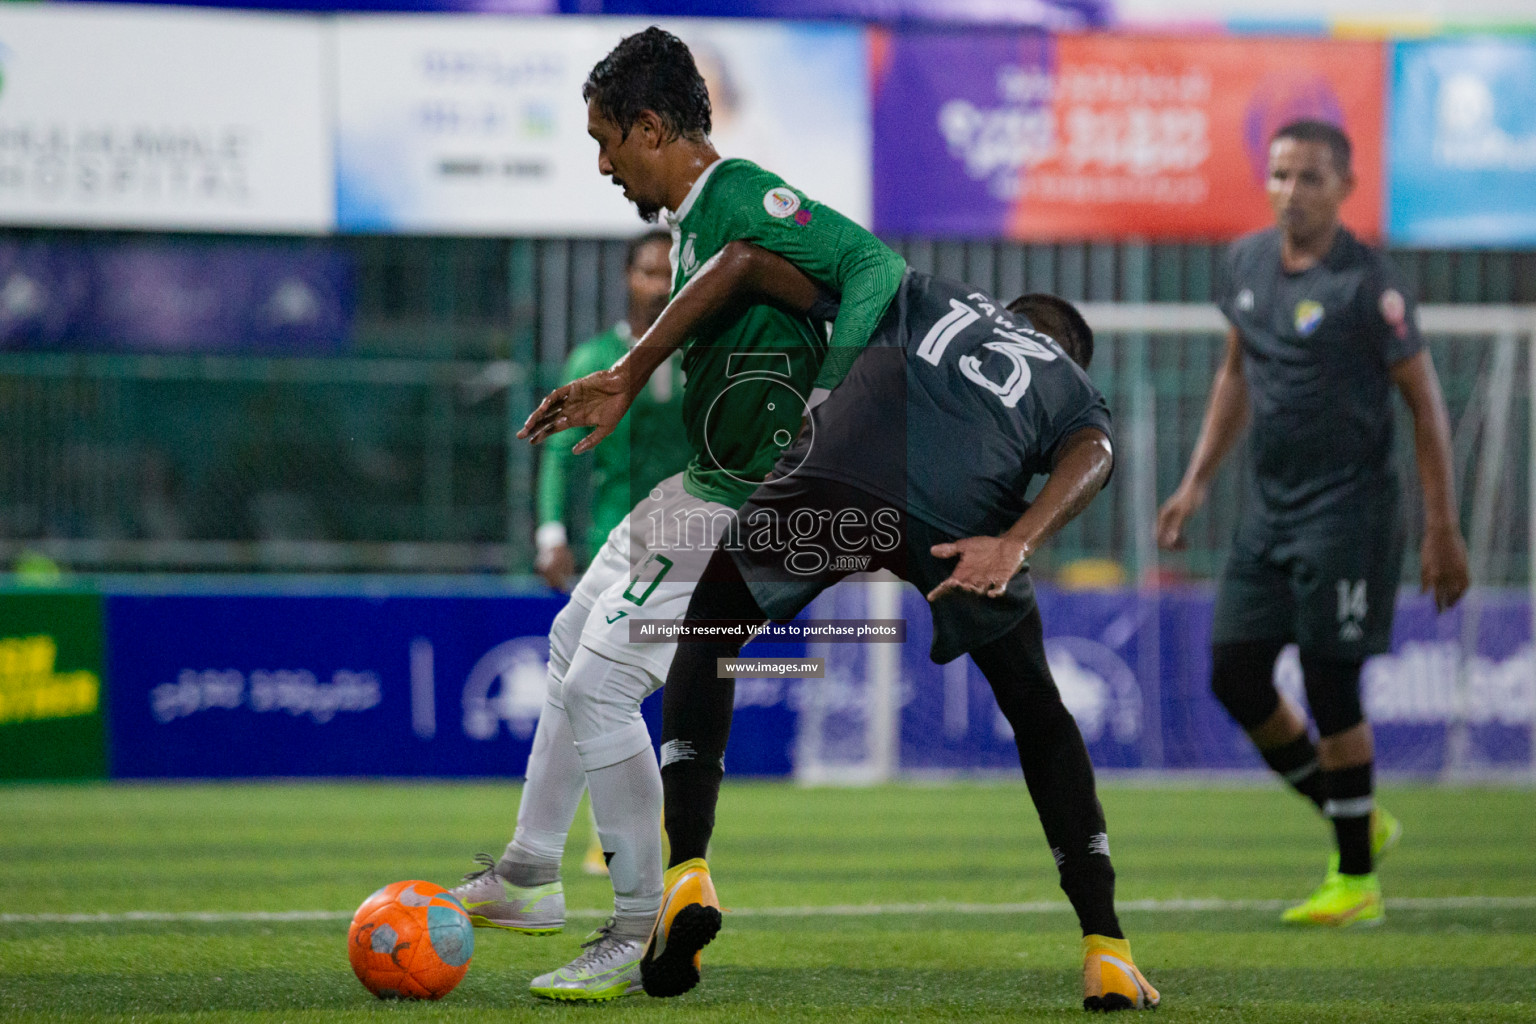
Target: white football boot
(494,902)
(608,969)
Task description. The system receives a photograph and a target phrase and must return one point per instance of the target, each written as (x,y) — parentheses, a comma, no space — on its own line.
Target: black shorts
(799,535)
(1330,587)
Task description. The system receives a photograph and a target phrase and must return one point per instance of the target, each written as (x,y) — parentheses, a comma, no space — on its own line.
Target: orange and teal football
(411,940)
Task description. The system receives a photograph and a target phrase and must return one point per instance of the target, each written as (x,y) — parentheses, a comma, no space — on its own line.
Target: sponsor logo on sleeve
(1394,310)
(781,202)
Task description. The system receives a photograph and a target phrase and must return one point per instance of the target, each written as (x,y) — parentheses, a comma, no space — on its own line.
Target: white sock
(550,797)
(626,798)
(555,776)
(602,703)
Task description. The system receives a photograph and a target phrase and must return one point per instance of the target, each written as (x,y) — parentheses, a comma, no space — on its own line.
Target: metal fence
(399,456)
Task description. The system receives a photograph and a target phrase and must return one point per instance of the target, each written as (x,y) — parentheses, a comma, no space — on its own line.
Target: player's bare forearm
(1082,466)
(1443,556)
(1415,377)
(739,274)
(987,563)
(1226,417)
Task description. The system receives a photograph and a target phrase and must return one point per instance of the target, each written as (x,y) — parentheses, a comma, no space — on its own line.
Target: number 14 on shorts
(1352,609)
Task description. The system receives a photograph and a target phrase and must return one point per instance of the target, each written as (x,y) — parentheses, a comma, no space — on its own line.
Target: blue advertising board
(185,297)
(451,684)
(235,685)
(1462,142)
(1134,670)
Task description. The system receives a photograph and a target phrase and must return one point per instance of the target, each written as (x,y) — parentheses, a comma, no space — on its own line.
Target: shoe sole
(480,921)
(577,996)
(1334,922)
(673,972)
(1112,1003)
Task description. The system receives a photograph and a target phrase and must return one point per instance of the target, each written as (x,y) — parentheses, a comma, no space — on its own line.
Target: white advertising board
(475,124)
(116,116)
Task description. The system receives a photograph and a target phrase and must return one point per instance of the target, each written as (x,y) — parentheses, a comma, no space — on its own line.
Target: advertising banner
(286,685)
(1463,143)
(1148,705)
(1035,137)
(188,296)
(51,686)
(140,117)
(470,125)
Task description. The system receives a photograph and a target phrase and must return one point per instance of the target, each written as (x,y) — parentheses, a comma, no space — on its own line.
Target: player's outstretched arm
(739,274)
(1443,557)
(986,564)
(1226,416)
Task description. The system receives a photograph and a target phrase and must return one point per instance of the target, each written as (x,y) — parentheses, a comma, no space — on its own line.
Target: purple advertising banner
(1141,696)
(175,298)
(1042,137)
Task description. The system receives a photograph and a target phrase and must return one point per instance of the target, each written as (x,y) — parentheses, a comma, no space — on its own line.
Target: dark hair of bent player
(641,241)
(1330,135)
(1058,318)
(651,70)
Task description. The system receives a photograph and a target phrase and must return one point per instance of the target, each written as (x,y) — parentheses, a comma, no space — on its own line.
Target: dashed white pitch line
(1174,906)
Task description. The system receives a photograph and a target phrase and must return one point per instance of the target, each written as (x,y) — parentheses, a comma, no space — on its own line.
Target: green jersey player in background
(651,443)
(749,377)
(1322,331)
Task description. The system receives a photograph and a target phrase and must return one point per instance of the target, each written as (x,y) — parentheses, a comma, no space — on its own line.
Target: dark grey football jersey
(1317,350)
(952,409)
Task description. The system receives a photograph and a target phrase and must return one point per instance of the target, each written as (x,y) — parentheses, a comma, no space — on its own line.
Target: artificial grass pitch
(919,903)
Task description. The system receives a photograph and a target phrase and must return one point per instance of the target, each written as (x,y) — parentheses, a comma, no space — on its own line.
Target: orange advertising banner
(1168,138)
(1041,137)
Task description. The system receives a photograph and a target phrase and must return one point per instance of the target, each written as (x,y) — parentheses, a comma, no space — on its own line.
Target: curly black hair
(1055,316)
(651,70)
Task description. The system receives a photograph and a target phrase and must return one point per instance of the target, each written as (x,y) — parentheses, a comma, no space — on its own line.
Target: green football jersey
(647,446)
(749,379)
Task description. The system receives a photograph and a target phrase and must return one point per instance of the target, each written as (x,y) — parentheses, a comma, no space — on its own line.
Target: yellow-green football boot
(1342,901)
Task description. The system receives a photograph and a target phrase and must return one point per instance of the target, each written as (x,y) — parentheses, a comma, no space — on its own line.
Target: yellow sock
(1119,947)
(672,874)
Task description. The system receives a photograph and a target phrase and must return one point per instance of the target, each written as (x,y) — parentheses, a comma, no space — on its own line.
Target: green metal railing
(399,456)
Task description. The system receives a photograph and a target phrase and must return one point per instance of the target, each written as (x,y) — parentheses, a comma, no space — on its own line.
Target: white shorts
(646,570)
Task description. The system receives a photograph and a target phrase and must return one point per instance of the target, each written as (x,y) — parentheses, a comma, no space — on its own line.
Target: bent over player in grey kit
(1321,332)
(918,463)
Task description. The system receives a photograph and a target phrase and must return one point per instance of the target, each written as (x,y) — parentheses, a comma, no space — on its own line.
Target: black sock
(691,790)
(1349,805)
(1296,763)
(1057,770)
(696,712)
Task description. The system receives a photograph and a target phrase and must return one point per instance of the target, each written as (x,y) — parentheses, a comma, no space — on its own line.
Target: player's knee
(601,695)
(1242,679)
(564,635)
(1333,693)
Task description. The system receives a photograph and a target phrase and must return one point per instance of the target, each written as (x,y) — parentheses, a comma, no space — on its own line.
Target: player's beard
(648,211)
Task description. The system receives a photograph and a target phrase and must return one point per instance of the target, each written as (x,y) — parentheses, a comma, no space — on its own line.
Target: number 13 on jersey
(1013,345)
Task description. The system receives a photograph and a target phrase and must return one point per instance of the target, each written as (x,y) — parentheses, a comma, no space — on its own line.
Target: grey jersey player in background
(1322,332)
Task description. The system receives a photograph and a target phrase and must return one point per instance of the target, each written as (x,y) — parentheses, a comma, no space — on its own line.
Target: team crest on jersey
(1245,300)
(689,259)
(781,202)
(1308,315)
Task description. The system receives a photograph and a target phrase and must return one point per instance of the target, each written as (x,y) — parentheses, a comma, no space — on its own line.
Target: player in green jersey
(749,380)
(621,472)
